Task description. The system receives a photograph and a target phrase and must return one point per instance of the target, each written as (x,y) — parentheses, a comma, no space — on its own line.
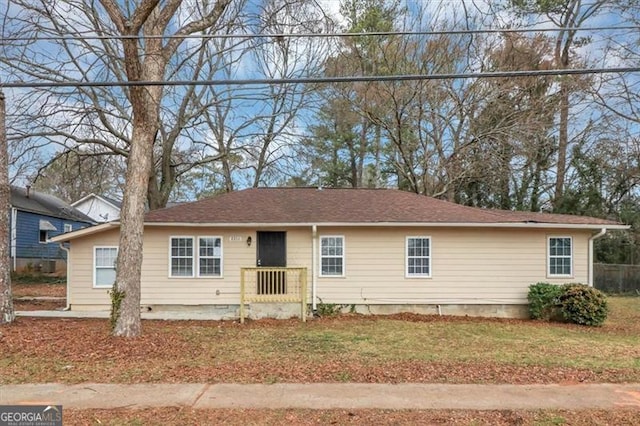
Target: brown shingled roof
(337,205)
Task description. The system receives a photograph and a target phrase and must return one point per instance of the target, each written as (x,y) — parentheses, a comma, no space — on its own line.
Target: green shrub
(327,309)
(583,304)
(543,301)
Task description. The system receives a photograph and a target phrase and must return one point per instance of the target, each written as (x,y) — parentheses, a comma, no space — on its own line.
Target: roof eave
(536,225)
(50,214)
(84,232)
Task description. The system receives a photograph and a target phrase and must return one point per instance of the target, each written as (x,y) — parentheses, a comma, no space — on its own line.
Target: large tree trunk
(145,65)
(7,313)
(129,264)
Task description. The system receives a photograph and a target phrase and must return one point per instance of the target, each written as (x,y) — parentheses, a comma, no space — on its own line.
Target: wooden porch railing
(273,285)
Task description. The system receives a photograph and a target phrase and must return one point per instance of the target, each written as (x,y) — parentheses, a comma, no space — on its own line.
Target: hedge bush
(577,303)
(582,304)
(543,301)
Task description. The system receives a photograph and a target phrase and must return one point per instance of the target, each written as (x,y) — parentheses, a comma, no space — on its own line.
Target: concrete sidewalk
(328,396)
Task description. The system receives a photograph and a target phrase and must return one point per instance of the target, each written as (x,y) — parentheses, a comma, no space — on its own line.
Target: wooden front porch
(273,285)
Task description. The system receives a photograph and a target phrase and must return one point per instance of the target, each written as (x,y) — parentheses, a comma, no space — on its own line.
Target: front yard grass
(376,349)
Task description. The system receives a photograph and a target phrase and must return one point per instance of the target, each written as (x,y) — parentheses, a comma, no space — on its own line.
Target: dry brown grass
(350,348)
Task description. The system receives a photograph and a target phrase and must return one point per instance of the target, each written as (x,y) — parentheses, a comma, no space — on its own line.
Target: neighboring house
(367,250)
(35,218)
(99,208)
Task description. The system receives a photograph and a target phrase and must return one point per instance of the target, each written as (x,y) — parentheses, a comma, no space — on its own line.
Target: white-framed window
(418,255)
(209,256)
(560,256)
(43,236)
(104,266)
(332,256)
(181,257)
(68,227)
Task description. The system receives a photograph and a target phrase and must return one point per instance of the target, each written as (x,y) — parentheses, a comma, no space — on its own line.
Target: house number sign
(235,238)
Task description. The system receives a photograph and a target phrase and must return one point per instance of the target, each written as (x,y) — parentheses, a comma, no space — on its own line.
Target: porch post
(303,294)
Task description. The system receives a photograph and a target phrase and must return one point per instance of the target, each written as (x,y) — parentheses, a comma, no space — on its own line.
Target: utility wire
(316,80)
(318,35)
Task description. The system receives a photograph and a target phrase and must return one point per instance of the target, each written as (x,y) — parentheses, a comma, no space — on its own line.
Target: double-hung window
(209,256)
(195,257)
(181,257)
(332,256)
(418,257)
(104,272)
(560,256)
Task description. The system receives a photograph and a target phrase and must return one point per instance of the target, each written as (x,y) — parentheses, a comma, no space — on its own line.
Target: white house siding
(469,266)
(98,210)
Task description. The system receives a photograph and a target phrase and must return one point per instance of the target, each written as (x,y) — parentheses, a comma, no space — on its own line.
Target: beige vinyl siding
(467,265)
(80,279)
(157,287)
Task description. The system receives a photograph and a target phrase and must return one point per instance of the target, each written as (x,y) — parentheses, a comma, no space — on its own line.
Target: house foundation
(257,311)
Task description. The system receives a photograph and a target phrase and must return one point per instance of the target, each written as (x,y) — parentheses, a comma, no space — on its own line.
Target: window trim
(549,274)
(193,256)
(406,257)
(46,236)
(67,227)
(197,262)
(95,267)
(343,257)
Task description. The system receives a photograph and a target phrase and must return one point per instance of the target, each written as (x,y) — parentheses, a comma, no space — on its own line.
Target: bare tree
(513,128)
(253,129)
(7,314)
(273,131)
(145,60)
(74,174)
(56,45)
(568,16)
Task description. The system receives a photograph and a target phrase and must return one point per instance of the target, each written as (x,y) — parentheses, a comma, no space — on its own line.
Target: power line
(317,80)
(320,35)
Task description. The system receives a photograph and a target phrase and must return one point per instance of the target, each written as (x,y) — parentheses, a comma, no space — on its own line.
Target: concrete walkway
(327,396)
(157,315)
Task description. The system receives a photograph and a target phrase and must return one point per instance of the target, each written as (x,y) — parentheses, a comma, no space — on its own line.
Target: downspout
(314,263)
(591,240)
(14,236)
(68,307)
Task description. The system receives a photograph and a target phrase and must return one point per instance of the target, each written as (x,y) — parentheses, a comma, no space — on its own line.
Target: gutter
(507,225)
(68,307)
(314,258)
(591,240)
